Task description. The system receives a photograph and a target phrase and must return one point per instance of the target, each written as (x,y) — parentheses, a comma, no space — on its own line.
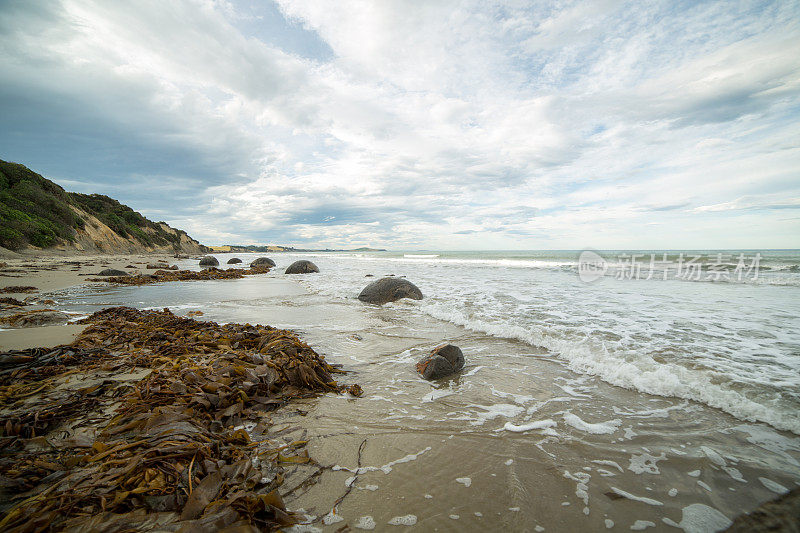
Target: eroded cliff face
(97,238)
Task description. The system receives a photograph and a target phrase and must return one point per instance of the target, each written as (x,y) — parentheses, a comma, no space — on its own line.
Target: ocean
(647,389)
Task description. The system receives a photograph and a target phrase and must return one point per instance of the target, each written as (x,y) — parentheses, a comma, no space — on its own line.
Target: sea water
(628,401)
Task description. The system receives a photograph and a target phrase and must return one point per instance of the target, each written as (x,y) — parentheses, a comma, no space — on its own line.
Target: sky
(444,125)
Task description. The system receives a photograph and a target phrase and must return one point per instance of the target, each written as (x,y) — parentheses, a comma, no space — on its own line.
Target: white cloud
(519,125)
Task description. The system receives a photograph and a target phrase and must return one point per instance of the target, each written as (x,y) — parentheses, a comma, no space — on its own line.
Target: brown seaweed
(140,425)
(18,289)
(185,275)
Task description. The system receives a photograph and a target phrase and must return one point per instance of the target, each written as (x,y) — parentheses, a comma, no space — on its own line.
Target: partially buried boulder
(444,360)
(389,290)
(234,260)
(302,267)
(263,261)
(30,319)
(112,272)
(209,260)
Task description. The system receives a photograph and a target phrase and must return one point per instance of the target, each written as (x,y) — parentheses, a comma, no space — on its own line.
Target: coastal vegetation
(35,211)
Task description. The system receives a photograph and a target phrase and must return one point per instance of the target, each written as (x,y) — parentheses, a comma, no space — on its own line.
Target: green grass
(34,210)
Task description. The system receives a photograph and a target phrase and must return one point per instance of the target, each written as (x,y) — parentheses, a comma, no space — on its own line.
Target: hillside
(37,213)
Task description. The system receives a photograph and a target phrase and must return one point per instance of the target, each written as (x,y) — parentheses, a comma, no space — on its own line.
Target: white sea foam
(648,501)
(331,518)
(405,520)
(611,330)
(387,468)
(700,518)
(365,522)
(538,424)
(773,486)
(490,412)
(600,428)
(645,463)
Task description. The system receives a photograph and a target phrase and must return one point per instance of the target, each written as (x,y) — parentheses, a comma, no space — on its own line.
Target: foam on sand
(406,520)
(635,498)
(773,486)
(538,424)
(365,522)
(700,518)
(600,428)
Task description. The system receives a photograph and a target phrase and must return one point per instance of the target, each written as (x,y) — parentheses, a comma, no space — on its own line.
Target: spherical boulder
(387,290)
(234,260)
(209,260)
(302,267)
(112,272)
(444,360)
(263,261)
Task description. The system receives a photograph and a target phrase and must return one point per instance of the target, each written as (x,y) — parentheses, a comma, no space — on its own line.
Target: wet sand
(50,273)
(517,442)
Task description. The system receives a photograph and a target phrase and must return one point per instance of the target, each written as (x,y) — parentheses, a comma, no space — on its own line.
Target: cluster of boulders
(161,266)
(444,360)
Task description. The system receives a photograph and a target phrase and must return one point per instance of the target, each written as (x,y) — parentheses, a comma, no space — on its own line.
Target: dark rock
(302,267)
(173,267)
(156,266)
(444,360)
(234,260)
(209,260)
(263,261)
(129,266)
(112,272)
(45,317)
(369,276)
(780,514)
(389,290)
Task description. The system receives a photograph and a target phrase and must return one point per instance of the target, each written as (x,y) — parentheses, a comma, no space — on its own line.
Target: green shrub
(34,210)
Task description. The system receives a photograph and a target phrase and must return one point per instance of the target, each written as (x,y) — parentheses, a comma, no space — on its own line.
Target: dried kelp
(18,289)
(185,275)
(162,423)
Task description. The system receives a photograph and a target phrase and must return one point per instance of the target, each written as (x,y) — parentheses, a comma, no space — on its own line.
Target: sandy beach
(517,441)
(49,273)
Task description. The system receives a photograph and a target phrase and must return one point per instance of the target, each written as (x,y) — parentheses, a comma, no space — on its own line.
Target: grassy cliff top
(36,211)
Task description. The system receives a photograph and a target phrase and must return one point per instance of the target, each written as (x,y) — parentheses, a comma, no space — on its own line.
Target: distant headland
(274,248)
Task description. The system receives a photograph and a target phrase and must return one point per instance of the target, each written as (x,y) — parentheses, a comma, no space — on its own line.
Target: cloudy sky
(418,125)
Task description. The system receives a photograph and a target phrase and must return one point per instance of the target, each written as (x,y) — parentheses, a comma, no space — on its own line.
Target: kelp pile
(153,421)
(185,275)
(18,289)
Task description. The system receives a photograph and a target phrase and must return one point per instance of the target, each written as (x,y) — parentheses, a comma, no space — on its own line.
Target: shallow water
(551,425)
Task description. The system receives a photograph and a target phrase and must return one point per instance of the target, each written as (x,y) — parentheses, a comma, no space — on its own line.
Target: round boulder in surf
(302,267)
(234,261)
(444,360)
(387,290)
(209,260)
(263,261)
(112,272)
